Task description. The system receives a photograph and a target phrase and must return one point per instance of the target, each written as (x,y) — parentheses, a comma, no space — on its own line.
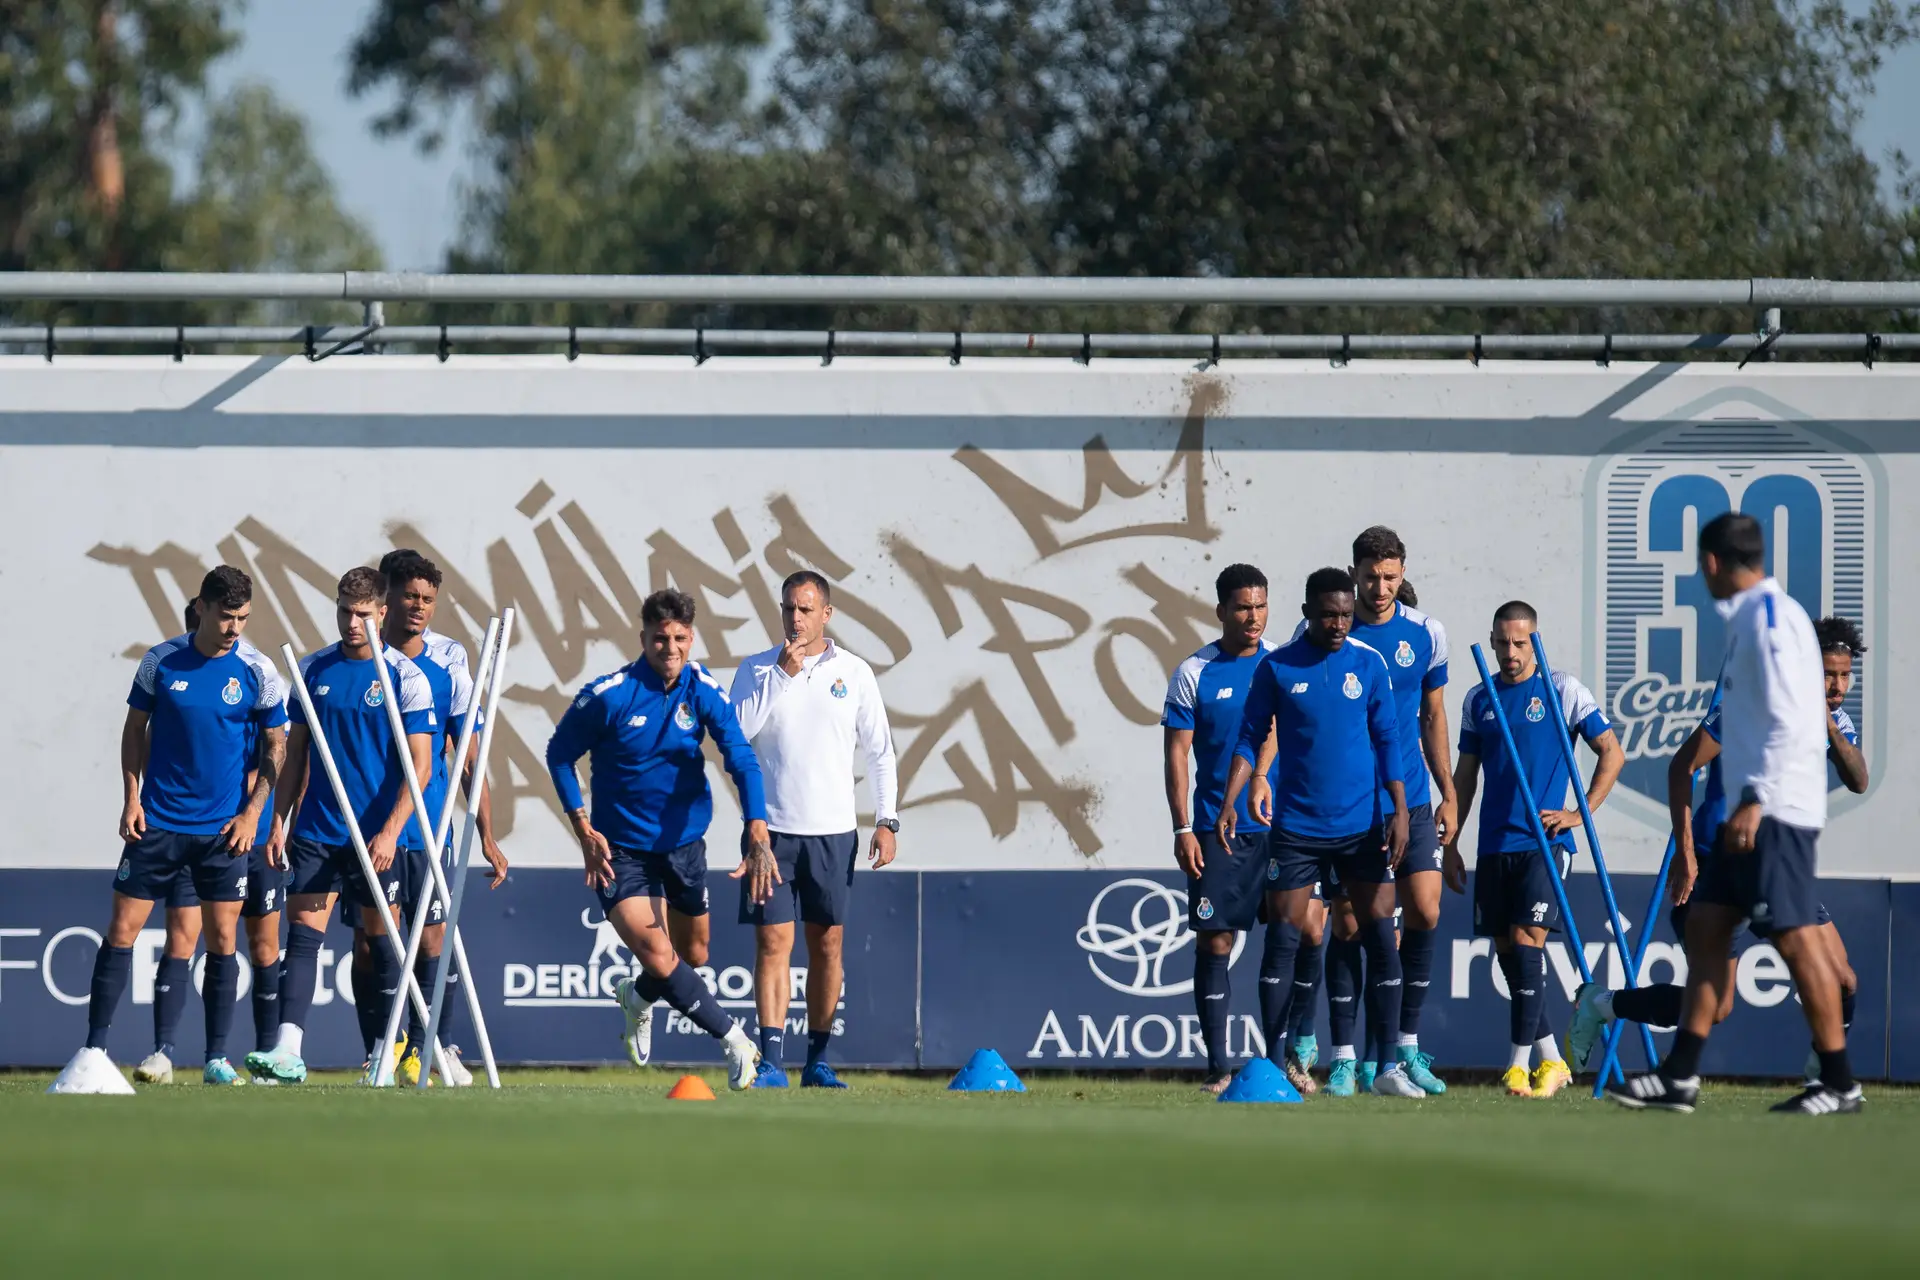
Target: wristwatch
(891,824)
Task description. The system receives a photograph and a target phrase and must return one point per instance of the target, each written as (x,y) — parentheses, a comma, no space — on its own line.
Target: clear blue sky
(412,202)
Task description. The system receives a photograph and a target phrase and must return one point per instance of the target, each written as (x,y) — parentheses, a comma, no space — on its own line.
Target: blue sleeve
(1175,716)
(1257,717)
(735,751)
(579,729)
(1594,726)
(1383,721)
(1469,731)
(1436,677)
(1711,725)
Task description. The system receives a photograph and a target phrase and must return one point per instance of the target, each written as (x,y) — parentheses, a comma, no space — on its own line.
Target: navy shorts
(1677,918)
(153,865)
(1294,862)
(816,879)
(1515,888)
(266,888)
(1423,842)
(678,875)
(416,882)
(313,867)
(1232,882)
(1774,885)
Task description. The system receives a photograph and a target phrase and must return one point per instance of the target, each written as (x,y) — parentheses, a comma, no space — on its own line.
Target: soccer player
(311,839)
(413,592)
(645,842)
(187,809)
(1662,1004)
(807,705)
(1328,701)
(1513,897)
(1775,734)
(1205,698)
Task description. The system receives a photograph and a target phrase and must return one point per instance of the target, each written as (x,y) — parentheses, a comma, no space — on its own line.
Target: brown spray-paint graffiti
(589,595)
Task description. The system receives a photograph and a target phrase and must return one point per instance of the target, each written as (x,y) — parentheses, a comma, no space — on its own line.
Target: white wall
(1028,545)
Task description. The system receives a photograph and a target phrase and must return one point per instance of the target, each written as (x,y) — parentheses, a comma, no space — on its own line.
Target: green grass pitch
(567,1169)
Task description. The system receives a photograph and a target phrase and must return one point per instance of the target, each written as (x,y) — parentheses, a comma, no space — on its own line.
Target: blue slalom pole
(1610,1059)
(1545,673)
(1533,816)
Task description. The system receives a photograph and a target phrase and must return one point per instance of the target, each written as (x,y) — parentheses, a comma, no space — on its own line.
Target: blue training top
(204,718)
(1415,647)
(444,663)
(352,709)
(1504,825)
(1339,739)
(1207,696)
(650,789)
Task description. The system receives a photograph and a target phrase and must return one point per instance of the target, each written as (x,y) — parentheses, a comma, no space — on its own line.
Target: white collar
(1733,603)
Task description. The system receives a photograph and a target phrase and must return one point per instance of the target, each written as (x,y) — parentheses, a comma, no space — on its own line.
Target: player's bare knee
(263,940)
(824,942)
(183,931)
(1218,942)
(774,942)
(128,919)
(432,939)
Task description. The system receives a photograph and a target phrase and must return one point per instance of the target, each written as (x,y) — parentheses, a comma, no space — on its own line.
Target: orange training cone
(690,1089)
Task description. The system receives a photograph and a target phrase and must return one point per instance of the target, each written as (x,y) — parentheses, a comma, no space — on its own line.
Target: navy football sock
(366,1000)
(266,1004)
(1277,957)
(1835,1071)
(1344,960)
(1848,1000)
(112,967)
(425,967)
(688,994)
(1416,965)
(453,1005)
(817,1044)
(1307,968)
(301,975)
(219,991)
(773,1043)
(170,986)
(1683,1056)
(1657,1006)
(1384,984)
(1210,992)
(1526,979)
(388,973)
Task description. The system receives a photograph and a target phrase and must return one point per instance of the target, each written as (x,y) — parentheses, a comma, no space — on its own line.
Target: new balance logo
(1299,688)
(1221,695)
(1539,912)
(1218,995)
(178,686)
(637,722)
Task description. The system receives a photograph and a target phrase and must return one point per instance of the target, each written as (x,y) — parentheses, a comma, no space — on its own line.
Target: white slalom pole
(319,737)
(435,838)
(460,865)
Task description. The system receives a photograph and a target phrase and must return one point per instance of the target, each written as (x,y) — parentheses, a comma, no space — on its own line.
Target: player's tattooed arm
(758,865)
(594,849)
(1848,759)
(1694,754)
(1606,771)
(133,764)
(267,769)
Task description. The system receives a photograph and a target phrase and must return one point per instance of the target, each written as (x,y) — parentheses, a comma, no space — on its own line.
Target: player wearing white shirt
(807,706)
(1773,756)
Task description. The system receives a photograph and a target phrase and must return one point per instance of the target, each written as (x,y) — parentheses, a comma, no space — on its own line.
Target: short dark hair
(1734,538)
(667,606)
(1406,595)
(1235,578)
(225,587)
(807,578)
(405,565)
(360,584)
(1378,543)
(190,616)
(1516,611)
(1838,633)
(1322,581)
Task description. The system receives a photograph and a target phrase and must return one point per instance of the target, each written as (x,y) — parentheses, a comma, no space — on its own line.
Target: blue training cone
(987,1072)
(1260,1081)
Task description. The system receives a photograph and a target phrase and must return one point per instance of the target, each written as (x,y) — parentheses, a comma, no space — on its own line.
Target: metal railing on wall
(372,290)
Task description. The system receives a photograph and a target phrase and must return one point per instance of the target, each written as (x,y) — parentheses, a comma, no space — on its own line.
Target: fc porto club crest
(1536,710)
(1351,686)
(1204,911)
(683,716)
(374,696)
(1654,640)
(839,689)
(231,694)
(1403,656)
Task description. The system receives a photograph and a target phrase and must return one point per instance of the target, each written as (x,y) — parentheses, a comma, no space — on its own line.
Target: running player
(316,846)
(1513,896)
(1774,747)
(187,810)
(1660,1005)
(1202,723)
(807,705)
(413,592)
(645,842)
(1328,701)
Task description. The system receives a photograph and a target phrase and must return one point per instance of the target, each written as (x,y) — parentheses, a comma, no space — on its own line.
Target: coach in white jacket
(806,706)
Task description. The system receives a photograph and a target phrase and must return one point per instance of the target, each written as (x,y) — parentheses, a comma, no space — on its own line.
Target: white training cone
(90,1071)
